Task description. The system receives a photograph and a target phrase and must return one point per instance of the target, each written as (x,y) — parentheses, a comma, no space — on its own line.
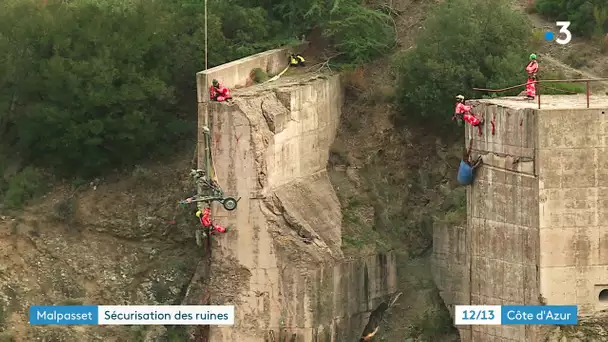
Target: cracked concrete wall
(573,188)
(271,147)
(535,232)
(502,213)
(451,266)
(497,252)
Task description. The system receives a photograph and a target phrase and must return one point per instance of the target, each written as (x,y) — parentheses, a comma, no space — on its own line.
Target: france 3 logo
(564,36)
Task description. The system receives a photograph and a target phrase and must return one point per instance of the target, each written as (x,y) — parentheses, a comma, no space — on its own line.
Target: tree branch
(324,64)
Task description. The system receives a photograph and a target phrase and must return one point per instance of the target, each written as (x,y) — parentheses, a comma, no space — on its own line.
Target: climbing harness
(466,114)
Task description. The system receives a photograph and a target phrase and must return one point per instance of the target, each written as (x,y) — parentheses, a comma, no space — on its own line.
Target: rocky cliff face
(118,241)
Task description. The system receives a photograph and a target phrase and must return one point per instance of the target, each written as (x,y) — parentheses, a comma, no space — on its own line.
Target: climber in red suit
(218,92)
(463,112)
(205,218)
(531,69)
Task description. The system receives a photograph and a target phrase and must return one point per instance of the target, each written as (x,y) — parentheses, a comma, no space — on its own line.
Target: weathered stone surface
(536,214)
(271,147)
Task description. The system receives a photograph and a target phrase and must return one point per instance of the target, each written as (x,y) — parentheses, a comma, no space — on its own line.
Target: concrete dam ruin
(281,263)
(537,215)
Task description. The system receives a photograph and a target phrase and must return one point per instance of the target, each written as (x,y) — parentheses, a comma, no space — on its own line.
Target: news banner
(132,315)
(224,315)
(515,314)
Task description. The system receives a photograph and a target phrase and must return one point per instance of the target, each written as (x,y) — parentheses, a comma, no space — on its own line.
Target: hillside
(115,242)
(581,58)
(123,238)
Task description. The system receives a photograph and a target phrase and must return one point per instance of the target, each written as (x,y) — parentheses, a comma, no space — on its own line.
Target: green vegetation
(23,186)
(92,86)
(177,333)
(588,17)
(562,88)
(258,75)
(485,50)
(559,88)
(433,324)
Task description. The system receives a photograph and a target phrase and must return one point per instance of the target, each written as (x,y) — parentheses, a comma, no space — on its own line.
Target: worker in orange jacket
(531,69)
(218,92)
(205,218)
(463,112)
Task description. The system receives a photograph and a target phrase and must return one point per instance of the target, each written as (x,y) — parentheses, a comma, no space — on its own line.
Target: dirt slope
(125,242)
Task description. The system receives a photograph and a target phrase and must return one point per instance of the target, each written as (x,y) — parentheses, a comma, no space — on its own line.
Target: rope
(206,118)
(206,37)
(209,152)
(211,163)
(279,75)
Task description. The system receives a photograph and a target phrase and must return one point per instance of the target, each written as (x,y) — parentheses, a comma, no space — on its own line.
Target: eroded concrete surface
(271,147)
(537,214)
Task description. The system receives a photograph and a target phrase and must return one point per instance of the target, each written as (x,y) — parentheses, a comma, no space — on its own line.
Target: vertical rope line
(209,155)
(206,39)
(206,123)
(205,118)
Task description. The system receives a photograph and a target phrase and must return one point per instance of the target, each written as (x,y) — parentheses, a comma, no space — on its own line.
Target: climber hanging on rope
(463,112)
(467,167)
(531,69)
(205,218)
(218,92)
(296,60)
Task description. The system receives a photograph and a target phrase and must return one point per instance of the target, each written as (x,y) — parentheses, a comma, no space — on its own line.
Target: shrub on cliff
(588,17)
(22,187)
(359,33)
(89,88)
(90,85)
(466,44)
(85,86)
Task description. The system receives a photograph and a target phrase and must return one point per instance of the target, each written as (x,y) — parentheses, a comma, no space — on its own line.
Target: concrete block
(536,228)
(237,73)
(273,142)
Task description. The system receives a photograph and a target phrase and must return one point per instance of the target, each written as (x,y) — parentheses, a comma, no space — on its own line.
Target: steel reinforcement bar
(587,81)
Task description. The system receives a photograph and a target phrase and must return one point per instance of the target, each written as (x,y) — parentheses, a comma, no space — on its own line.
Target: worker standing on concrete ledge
(467,167)
(219,93)
(531,69)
